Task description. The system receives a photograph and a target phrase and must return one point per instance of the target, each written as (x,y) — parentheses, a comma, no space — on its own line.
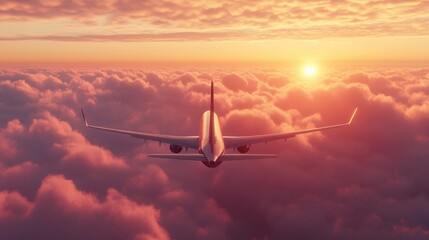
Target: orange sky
(213,32)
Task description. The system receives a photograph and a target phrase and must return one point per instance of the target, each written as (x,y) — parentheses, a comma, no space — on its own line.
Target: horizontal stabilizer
(233,157)
(190,157)
(225,157)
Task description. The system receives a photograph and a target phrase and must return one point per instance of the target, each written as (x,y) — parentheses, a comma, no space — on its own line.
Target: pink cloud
(152,180)
(13,206)
(8,146)
(256,122)
(17,92)
(234,82)
(407,231)
(63,211)
(365,181)
(75,148)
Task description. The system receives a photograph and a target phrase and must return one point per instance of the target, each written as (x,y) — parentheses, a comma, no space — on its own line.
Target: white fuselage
(214,148)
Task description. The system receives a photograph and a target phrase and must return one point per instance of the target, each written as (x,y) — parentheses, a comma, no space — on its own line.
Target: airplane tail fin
(211,133)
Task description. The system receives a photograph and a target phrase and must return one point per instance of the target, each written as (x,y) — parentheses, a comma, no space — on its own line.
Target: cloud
(223,20)
(13,206)
(62,211)
(17,92)
(367,181)
(234,82)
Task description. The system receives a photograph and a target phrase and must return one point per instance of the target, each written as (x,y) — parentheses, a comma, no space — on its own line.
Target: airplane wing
(236,141)
(185,141)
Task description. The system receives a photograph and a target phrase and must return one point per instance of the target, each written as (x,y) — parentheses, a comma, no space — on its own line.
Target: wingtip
(353,115)
(84,118)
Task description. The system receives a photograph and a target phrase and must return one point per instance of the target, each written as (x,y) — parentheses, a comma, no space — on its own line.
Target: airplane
(210,143)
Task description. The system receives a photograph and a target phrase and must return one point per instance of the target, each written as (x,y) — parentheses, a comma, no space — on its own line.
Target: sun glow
(310,75)
(310,70)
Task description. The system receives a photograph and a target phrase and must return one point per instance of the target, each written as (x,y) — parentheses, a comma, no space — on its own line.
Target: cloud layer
(60,180)
(175,20)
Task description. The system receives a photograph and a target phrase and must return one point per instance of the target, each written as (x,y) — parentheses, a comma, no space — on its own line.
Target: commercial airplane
(211,144)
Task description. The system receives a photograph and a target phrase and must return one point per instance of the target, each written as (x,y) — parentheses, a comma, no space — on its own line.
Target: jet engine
(243,149)
(175,148)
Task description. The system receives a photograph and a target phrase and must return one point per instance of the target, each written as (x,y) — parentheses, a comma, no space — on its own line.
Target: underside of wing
(185,141)
(236,141)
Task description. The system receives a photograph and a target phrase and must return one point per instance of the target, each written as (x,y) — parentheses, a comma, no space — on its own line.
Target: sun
(310,78)
(310,70)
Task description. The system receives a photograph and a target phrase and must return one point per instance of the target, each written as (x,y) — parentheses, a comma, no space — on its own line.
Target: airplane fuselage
(211,145)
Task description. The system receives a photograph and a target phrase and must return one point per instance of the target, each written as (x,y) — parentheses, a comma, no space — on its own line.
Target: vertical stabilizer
(211,133)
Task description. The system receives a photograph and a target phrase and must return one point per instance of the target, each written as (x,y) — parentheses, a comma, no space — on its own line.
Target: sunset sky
(213,32)
(277,66)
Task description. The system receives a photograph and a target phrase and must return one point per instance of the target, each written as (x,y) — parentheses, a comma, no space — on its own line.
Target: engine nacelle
(175,148)
(243,149)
